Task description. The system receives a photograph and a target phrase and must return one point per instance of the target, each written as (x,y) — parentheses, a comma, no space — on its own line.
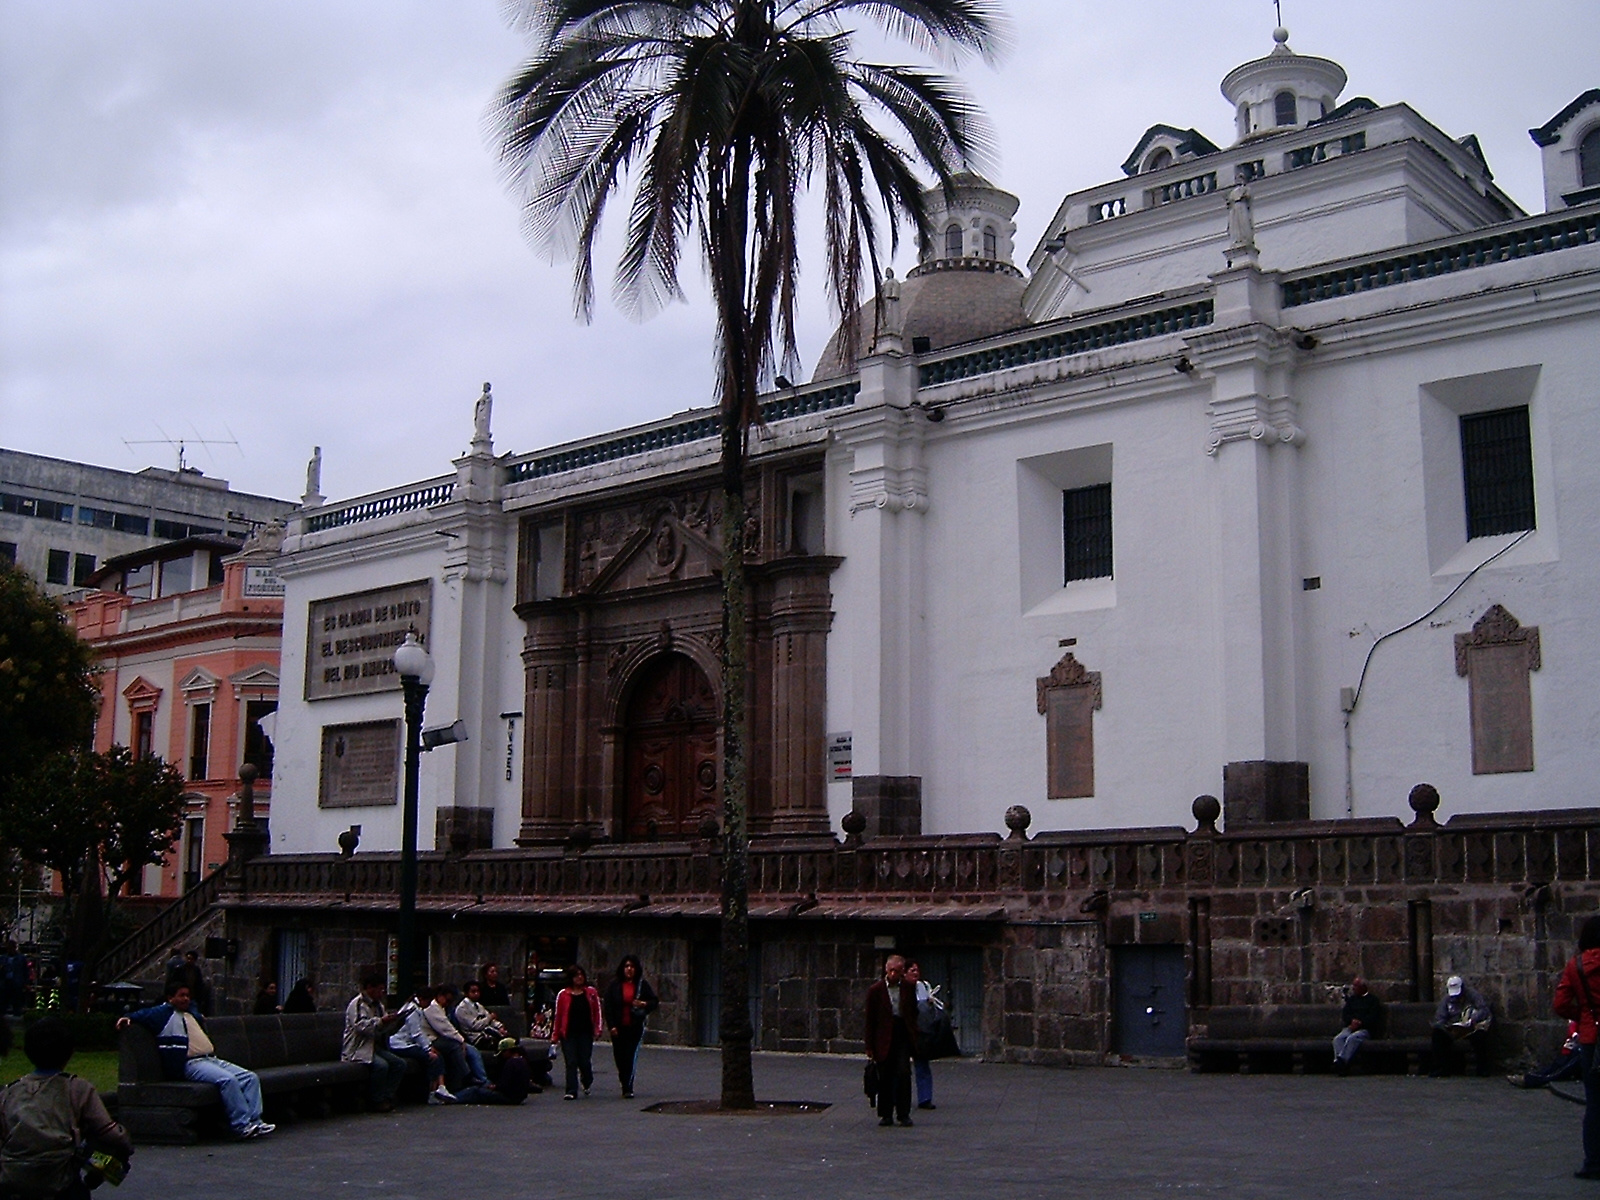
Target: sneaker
(262,1128)
(627,1095)
(570,1096)
(441,1095)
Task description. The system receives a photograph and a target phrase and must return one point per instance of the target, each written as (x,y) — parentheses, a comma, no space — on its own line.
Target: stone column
(549,795)
(801,614)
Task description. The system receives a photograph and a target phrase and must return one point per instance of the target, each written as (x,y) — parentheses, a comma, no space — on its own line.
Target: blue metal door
(1148,984)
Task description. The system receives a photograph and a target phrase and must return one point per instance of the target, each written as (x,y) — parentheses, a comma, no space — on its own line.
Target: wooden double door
(672,777)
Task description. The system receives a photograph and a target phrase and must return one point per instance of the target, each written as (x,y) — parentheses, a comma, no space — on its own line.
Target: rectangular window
(59,563)
(1497,471)
(8,552)
(257,742)
(194,858)
(144,734)
(82,568)
(137,582)
(199,740)
(1086,527)
(128,523)
(177,575)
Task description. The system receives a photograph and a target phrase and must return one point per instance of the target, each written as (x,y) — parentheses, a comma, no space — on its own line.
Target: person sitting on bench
(1363,1018)
(187,1053)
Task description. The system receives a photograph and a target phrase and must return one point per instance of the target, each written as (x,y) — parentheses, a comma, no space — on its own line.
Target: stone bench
(296,1056)
(1299,1038)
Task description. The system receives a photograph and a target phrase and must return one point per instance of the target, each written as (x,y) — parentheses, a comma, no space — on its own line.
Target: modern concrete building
(61,520)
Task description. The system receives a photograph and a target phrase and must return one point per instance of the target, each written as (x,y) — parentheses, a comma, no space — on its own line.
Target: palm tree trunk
(738,391)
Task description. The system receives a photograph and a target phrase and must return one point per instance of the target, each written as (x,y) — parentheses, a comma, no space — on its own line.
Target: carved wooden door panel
(671,775)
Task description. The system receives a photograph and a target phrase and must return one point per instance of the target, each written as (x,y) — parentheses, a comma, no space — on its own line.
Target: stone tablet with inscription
(360,765)
(351,640)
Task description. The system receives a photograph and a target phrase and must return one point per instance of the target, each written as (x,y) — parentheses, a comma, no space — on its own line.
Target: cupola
(972,223)
(1282,91)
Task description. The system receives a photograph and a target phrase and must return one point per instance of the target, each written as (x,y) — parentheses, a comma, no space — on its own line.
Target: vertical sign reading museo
(351,640)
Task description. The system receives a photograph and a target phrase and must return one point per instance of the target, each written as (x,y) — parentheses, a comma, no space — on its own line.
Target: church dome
(964,288)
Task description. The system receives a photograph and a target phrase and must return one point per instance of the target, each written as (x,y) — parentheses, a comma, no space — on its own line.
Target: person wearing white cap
(1463,1015)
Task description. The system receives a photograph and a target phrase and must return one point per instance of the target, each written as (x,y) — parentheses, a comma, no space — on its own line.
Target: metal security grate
(1497,472)
(1086,525)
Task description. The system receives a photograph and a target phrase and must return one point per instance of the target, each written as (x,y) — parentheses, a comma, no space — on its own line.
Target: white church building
(1270,475)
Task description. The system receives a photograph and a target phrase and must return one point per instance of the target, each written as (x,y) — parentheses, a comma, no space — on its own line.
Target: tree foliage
(48,696)
(722,113)
(84,809)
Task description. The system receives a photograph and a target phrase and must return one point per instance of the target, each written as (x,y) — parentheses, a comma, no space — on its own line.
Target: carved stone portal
(1496,658)
(1068,698)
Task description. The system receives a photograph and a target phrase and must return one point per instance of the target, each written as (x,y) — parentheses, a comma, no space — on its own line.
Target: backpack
(40,1156)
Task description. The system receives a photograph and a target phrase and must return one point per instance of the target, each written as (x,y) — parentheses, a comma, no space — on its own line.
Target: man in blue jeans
(187,1053)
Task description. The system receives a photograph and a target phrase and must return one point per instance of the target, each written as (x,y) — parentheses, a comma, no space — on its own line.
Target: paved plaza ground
(1000,1133)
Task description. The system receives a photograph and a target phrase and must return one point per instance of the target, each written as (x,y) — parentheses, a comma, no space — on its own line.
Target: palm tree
(720,113)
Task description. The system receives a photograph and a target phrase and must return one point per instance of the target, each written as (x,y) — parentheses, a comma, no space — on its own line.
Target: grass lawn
(99,1067)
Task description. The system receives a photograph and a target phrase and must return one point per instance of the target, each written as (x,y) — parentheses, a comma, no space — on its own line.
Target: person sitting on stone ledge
(1462,1016)
(411,1041)
(1363,1018)
(365,1026)
(462,1062)
(480,1026)
(187,1053)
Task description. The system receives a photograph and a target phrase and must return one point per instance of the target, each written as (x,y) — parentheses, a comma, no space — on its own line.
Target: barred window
(1497,472)
(1086,527)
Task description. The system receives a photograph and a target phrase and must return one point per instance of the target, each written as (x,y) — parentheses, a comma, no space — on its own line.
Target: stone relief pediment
(663,540)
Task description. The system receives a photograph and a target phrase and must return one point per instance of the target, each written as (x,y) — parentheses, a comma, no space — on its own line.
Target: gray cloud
(286,222)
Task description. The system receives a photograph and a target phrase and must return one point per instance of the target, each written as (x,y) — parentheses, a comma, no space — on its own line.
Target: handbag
(941,1042)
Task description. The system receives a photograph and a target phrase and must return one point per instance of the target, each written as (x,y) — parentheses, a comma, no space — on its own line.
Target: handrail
(163,927)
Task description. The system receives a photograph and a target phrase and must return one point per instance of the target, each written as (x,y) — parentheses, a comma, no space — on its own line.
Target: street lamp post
(416,672)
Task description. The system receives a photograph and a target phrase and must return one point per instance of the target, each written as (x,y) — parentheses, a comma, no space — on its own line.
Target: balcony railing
(427,495)
(1066,342)
(693,428)
(1459,254)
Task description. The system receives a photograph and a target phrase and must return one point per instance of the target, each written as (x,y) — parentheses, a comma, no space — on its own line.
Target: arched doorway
(671,778)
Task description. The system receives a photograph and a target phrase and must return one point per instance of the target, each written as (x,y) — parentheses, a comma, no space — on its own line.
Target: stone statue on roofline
(1241,225)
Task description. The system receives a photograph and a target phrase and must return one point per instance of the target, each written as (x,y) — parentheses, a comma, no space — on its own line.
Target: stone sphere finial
(1424,801)
(1281,36)
(1206,810)
(249,773)
(1018,818)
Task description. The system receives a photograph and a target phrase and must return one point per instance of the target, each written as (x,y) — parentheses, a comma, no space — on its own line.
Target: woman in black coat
(628,1002)
(301,998)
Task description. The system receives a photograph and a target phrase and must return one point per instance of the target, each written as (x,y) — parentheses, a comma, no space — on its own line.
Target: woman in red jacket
(1578,999)
(577,1021)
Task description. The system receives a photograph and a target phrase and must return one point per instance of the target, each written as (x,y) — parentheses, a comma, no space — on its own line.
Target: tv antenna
(182,444)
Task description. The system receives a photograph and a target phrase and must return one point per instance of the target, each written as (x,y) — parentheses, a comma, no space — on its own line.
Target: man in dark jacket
(1363,1018)
(891,1036)
(1462,1016)
(187,1053)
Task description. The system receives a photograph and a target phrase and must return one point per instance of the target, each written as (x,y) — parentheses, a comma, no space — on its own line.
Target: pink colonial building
(188,636)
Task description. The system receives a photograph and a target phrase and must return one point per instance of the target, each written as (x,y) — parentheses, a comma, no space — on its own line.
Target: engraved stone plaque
(1496,658)
(360,765)
(1067,699)
(351,640)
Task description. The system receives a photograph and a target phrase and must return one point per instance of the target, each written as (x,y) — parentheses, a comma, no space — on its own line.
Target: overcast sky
(283,224)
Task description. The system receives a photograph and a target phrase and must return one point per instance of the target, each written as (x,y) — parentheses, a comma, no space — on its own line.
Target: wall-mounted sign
(262,583)
(839,749)
(351,640)
(360,765)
